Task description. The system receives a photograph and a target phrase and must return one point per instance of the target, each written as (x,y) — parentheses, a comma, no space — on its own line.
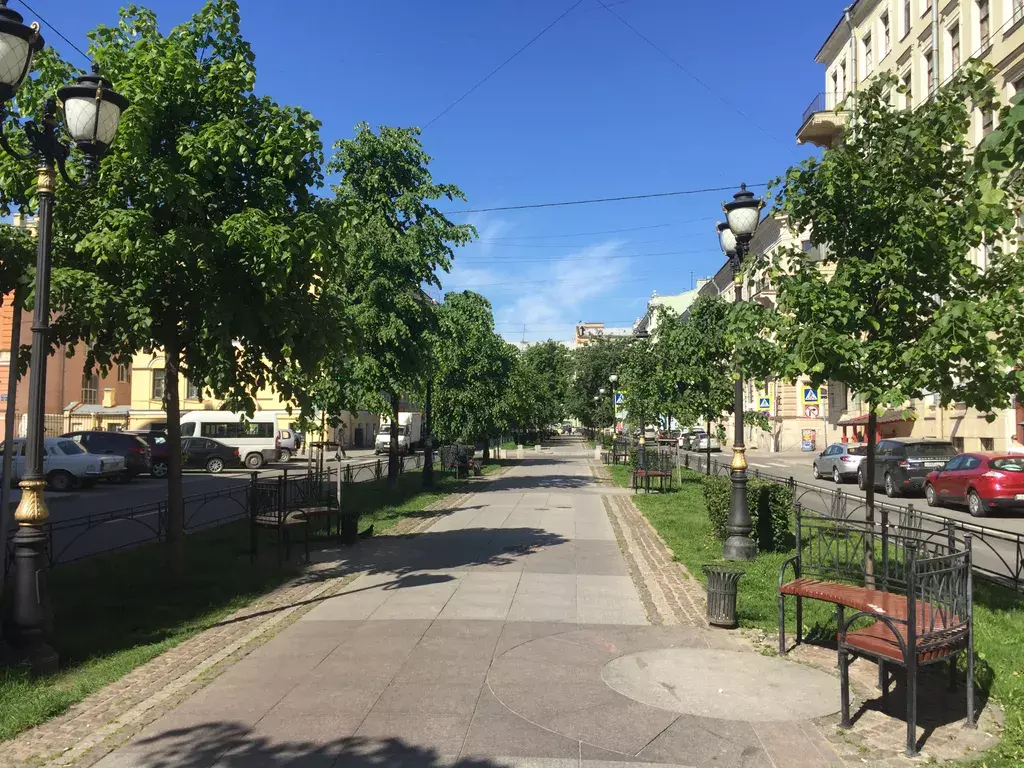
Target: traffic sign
(620,398)
(764,404)
(810,395)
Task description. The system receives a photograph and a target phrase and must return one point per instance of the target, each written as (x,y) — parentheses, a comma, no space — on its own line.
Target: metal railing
(823,102)
(102,532)
(998,555)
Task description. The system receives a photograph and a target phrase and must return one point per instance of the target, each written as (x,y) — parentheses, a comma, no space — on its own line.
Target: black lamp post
(91,111)
(613,379)
(743,214)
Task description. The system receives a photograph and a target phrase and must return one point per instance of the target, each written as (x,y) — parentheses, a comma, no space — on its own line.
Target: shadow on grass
(233,745)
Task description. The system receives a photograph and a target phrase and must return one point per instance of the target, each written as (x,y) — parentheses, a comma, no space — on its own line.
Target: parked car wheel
(862,482)
(215,466)
(254,461)
(159,469)
(975,505)
(60,481)
(815,471)
(890,487)
(930,496)
(836,477)
(286,455)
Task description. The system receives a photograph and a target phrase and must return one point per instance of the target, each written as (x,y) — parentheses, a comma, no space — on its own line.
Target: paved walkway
(508,634)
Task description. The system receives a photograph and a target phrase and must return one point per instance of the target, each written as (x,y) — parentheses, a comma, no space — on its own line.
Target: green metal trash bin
(722,586)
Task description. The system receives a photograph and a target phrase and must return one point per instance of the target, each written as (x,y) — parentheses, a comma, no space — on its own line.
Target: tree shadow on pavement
(232,745)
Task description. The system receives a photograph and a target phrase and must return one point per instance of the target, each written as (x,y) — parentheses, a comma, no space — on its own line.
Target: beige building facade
(922,42)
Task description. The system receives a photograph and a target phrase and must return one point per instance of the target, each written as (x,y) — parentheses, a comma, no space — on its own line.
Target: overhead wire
(621,198)
(599,232)
(59,34)
(501,66)
(560,260)
(690,74)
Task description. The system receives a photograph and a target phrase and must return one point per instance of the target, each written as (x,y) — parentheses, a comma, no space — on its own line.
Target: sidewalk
(540,624)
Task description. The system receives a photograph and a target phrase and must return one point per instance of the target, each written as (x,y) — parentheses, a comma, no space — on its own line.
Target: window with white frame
(842,80)
(907,81)
(929,70)
(954,48)
(124,374)
(988,119)
(90,387)
(1016,10)
(908,19)
(194,392)
(869,59)
(835,89)
(886,35)
(159,383)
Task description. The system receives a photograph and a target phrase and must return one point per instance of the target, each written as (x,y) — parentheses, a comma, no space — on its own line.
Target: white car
(66,464)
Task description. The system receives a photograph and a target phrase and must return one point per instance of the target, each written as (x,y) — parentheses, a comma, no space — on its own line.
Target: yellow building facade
(922,42)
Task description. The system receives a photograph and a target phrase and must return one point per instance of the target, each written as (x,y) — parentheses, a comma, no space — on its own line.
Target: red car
(983,481)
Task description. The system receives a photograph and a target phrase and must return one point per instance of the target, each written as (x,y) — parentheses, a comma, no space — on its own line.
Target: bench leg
(972,722)
(782,624)
(799,620)
(844,689)
(911,708)
(883,680)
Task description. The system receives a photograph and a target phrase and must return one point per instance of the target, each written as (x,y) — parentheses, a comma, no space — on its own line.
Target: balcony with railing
(824,120)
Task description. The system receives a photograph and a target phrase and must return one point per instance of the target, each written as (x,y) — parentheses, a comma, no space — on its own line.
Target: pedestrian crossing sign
(810,396)
(764,404)
(620,398)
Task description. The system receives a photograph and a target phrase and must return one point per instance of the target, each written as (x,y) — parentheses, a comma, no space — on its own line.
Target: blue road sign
(620,398)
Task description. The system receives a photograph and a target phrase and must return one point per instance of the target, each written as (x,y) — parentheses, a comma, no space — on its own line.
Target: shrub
(771,510)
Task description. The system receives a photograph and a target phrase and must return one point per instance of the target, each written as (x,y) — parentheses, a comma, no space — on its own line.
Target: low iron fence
(997,555)
(98,533)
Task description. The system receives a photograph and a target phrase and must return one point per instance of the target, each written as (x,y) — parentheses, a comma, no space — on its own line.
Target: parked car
(982,481)
(690,439)
(287,445)
(700,442)
(66,464)
(839,461)
(159,453)
(211,455)
(133,448)
(902,464)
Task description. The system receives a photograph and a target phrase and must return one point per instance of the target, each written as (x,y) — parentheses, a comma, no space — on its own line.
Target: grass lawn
(681,520)
(115,612)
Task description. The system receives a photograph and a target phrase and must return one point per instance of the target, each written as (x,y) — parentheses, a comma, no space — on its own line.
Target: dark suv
(134,449)
(902,463)
(159,453)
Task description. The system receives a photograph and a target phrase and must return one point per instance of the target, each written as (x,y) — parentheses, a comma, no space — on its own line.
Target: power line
(599,232)
(35,13)
(688,73)
(604,199)
(564,246)
(497,69)
(559,260)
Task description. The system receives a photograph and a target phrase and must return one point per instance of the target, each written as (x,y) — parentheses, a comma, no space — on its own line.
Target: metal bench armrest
(795,562)
(889,621)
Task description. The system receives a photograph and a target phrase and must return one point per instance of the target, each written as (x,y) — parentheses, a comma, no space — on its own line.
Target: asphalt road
(88,521)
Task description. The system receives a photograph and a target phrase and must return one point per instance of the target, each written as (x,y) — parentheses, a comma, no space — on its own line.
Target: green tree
(548,369)
(592,365)
(898,309)
(397,242)
(643,380)
(202,238)
(470,364)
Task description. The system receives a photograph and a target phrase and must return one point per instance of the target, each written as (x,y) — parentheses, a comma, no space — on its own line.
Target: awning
(888,417)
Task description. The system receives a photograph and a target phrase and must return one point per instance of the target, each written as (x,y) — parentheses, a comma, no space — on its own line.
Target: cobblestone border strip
(669,592)
(96,725)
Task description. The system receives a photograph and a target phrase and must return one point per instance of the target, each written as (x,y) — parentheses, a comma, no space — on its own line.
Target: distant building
(587,333)
(678,303)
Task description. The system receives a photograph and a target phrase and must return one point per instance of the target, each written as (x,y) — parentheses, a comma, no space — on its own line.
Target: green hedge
(771,510)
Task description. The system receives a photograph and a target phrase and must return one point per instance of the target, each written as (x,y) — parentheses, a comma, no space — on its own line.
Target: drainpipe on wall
(936,69)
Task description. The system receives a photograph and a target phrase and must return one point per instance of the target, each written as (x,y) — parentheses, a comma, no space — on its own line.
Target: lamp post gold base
(32,507)
(739,458)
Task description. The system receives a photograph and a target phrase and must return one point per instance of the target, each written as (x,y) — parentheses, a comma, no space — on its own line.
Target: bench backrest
(272,498)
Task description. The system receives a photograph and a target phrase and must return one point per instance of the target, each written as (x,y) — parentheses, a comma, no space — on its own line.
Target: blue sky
(589,110)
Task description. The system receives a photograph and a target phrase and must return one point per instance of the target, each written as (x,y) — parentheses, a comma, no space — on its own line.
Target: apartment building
(75,398)
(923,42)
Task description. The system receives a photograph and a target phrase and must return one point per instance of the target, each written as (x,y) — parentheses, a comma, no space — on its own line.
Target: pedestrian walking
(1015,446)
(340,435)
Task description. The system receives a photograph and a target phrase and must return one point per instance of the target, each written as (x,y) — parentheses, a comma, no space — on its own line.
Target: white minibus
(255,438)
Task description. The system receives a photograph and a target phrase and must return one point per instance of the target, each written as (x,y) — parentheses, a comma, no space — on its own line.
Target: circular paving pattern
(726,685)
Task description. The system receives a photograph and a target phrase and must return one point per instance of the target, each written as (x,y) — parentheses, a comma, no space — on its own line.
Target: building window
(929,68)
(983,257)
(90,388)
(831,99)
(907,81)
(988,444)
(194,392)
(954,48)
(987,122)
(124,374)
(908,20)
(159,382)
(958,444)
(1018,10)
(984,23)
(886,37)
(842,80)
(869,61)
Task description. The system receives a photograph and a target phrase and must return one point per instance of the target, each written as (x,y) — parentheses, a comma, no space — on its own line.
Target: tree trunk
(709,448)
(487,450)
(428,436)
(6,516)
(869,475)
(393,455)
(175,501)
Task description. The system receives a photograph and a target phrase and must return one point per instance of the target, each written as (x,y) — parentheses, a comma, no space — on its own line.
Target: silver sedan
(839,461)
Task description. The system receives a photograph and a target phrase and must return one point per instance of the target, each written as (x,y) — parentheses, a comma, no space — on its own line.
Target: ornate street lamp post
(92,111)
(743,214)
(613,379)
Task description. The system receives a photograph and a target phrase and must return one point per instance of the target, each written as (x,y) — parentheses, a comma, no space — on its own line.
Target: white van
(256,439)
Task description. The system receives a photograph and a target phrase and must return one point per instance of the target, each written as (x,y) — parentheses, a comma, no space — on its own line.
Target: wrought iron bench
(918,600)
(287,503)
(653,465)
(459,460)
